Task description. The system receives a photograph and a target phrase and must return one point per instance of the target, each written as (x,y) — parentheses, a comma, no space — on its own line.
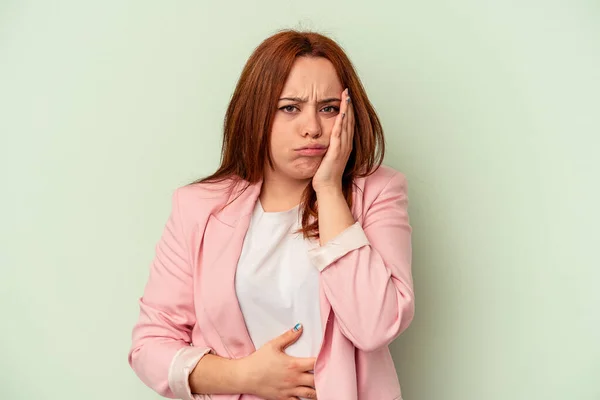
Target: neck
(280,194)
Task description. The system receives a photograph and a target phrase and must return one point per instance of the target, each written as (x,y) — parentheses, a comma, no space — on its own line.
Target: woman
(299,224)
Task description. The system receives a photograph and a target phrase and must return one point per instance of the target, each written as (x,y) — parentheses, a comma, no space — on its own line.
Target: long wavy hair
(249,117)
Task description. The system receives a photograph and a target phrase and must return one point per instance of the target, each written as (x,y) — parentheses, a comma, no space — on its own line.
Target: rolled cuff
(349,239)
(183,364)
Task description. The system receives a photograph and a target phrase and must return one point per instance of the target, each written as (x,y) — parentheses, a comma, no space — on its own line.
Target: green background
(491,109)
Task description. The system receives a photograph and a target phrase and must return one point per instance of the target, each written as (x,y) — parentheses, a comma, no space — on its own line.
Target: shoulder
(385,178)
(203,198)
(206,191)
(384,191)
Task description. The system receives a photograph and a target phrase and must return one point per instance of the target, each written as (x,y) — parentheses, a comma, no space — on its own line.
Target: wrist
(329,190)
(243,376)
(218,375)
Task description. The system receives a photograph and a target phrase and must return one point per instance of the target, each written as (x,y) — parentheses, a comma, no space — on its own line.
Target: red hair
(249,117)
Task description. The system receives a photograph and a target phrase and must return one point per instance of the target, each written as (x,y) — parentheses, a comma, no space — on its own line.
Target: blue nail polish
(297,327)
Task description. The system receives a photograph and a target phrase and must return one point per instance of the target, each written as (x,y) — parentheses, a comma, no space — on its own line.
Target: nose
(312,126)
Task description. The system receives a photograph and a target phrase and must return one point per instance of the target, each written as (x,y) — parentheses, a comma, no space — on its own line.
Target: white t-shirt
(276,283)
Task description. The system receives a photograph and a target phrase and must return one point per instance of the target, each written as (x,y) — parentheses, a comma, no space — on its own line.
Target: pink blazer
(189,306)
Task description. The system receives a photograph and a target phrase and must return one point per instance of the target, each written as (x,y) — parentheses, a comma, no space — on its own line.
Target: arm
(160,353)
(366,271)
(217,375)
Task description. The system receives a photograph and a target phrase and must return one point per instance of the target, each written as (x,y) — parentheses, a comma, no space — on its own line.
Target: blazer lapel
(220,252)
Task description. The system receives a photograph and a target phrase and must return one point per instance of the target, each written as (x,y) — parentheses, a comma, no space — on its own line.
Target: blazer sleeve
(161,353)
(366,271)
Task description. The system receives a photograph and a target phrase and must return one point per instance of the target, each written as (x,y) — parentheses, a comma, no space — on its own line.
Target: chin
(306,170)
(302,174)
(299,170)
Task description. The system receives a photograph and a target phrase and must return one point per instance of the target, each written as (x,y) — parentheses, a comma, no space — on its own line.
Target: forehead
(312,73)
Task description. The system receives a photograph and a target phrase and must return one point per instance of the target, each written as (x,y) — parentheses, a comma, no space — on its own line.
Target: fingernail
(343,115)
(297,327)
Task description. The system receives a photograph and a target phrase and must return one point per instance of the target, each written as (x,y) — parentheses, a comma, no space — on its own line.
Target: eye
(288,109)
(330,109)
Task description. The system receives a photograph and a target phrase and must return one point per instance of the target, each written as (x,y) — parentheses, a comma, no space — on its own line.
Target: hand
(273,375)
(330,171)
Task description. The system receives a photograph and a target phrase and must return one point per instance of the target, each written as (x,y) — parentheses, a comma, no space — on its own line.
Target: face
(306,112)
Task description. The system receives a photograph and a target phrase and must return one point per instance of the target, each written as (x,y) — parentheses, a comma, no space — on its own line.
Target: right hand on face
(274,375)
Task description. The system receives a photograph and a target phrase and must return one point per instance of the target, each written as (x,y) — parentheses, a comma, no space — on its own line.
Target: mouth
(312,150)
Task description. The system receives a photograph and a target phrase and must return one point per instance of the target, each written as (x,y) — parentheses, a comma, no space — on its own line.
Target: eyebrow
(305,100)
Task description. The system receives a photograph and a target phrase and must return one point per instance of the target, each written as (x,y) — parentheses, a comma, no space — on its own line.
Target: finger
(344,110)
(288,338)
(305,392)
(303,364)
(337,126)
(347,112)
(341,118)
(351,119)
(307,380)
(348,123)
